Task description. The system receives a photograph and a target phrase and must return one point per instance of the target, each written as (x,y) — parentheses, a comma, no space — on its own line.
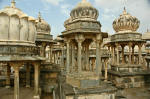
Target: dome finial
(39,16)
(124,11)
(13,3)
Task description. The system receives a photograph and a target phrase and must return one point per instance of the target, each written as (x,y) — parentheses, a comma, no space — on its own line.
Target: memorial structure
(81,29)
(126,67)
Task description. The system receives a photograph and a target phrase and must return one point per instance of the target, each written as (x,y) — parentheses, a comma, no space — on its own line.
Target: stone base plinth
(83,80)
(128,79)
(103,91)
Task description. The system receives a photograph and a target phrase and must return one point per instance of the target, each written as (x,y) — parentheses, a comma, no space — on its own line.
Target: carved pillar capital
(79,38)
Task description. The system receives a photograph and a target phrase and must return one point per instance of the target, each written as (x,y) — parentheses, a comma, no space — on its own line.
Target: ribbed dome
(67,22)
(16,28)
(12,10)
(126,23)
(42,26)
(84,11)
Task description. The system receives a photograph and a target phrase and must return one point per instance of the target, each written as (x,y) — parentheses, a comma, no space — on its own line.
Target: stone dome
(84,11)
(16,28)
(126,23)
(42,26)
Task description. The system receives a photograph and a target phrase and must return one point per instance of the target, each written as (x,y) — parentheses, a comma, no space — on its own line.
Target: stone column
(87,57)
(123,58)
(28,75)
(16,79)
(130,53)
(36,80)
(8,76)
(72,59)
(68,57)
(106,68)
(140,54)
(43,47)
(132,59)
(62,56)
(118,58)
(50,53)
(112,54)
(98,55)
(79,39)
(79,56)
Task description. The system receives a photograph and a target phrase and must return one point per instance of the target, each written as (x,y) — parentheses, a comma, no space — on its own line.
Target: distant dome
(42,26)
(16,27)
(84,11)
(126,23)
(146,35)
(69,20)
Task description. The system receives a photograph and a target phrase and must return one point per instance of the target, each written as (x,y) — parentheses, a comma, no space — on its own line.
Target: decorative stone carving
(16,28)
(42,25)
(84,10)
(126,23)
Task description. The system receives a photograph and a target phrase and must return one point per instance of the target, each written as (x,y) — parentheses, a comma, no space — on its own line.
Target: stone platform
(129,79)
(103,91)
(25,93)
(83,80)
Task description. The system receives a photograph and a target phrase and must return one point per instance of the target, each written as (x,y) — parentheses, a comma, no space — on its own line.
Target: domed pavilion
(81,29)
(44,38)
(17,45)
(126,64)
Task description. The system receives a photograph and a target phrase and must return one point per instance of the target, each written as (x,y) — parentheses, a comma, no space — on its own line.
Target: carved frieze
(126,37)
(19,50)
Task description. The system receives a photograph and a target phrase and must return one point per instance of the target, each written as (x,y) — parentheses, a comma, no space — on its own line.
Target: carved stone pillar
(130,53)
(16,67)
(87,57)
(36,80)
(123,58)
(79,39)
(73,57)
(106,68)
(79,56)
(132,60)
(140,54)
(98,54)
(68,57)
(50,51)
(62,56)
(118,58)
(112,55)
(43,52)
(28,75)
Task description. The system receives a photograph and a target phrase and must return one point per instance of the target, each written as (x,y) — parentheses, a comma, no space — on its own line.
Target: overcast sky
(55,12)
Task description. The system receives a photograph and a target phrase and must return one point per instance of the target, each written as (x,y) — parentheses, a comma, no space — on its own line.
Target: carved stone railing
(126,37)
(19,50)
(83,26)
